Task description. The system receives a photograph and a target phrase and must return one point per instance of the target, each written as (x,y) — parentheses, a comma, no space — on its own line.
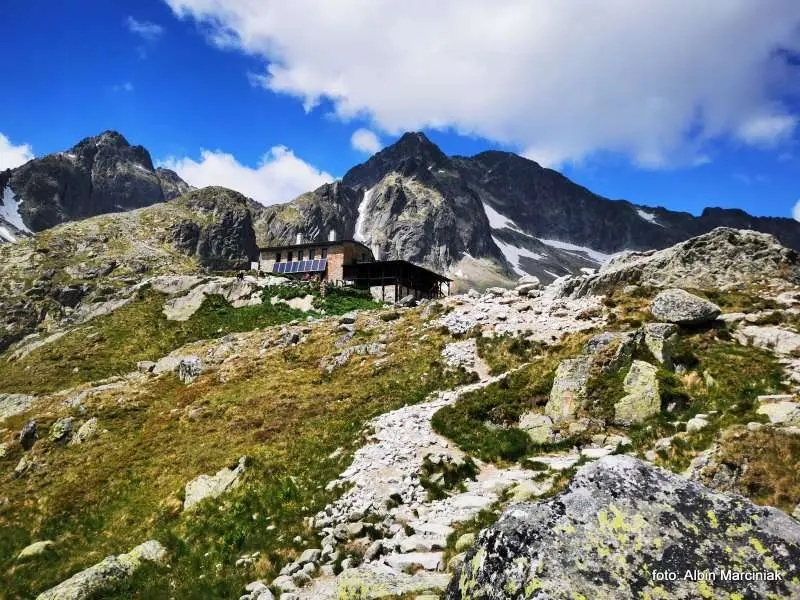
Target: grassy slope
(112,344)
(124,487)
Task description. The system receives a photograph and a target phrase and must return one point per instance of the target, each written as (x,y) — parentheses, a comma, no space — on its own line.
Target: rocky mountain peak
(413,154)
(107,138)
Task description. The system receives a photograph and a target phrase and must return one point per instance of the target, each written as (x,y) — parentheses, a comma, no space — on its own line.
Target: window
(277,257)
(289,256)
(324,253)
(312,254)
(299,255)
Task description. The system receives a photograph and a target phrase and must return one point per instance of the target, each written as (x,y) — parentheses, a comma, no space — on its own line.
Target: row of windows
(312,255)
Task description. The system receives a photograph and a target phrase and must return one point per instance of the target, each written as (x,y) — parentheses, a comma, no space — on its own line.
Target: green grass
(113,344)
(505,352)
(125,486)
(483,422)
(726,377)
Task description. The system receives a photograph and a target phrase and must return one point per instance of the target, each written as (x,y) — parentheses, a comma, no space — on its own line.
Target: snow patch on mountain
(598,257)
(498,221)
(9,210)
(513,254)
(363,212)
(648,216)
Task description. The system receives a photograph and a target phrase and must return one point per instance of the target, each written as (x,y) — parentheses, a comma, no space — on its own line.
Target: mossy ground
(113,344)
(125,486)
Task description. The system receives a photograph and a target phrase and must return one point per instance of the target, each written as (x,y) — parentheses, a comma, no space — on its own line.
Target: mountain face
(487,217)
(99,175)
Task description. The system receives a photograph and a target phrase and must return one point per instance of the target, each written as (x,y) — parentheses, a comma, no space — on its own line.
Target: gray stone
(14,404)
(61,430)
(189,368)
(28,434)
(539,427)
(430,561)
(145,366)
(780,409)
(660,339)
(696,424)
(680,307)
(642,398)
(619,520)
(106,574)
(568,394)
(35,549)
(212,486)
(310,555)
(776,339)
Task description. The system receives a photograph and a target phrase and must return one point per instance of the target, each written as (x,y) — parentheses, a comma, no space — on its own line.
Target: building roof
(316,244)
(373,269)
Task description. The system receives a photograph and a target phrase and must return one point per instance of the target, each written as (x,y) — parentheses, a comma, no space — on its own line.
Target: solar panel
(301,266)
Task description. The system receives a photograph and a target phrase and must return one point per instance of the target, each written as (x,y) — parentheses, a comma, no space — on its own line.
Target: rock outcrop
(721,259)
(626,529)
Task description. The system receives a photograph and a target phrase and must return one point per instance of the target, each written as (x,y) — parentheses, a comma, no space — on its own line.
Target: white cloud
(279,177)
(654,80)
(365,140)
(148,31)
(767,130)
(123,87)
(796,211)
(13,156)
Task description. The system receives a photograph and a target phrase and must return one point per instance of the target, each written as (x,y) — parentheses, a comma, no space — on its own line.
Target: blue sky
(266,96)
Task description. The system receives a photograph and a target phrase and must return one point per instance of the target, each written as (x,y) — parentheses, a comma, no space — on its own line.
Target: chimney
(332,236)
(299,238)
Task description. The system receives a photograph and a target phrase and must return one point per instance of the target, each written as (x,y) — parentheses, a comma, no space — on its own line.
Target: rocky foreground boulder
(627,529)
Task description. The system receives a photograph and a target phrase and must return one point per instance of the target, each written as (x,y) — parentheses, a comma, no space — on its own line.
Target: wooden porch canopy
(422,282)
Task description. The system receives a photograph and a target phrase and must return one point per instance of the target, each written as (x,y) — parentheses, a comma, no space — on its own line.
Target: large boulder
(568,394)
(105,575)
(682,308)
(627,529)
(642,398)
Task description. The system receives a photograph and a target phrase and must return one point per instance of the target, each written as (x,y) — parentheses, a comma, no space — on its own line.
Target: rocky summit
(100,174)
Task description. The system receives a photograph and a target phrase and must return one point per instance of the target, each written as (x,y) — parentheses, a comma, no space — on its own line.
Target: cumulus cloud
(13,156)
(557,79)
(148,31)
(365,140)
(796,211)
(279,177)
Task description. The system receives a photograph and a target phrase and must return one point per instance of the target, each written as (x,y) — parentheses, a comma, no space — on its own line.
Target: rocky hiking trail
(403,547)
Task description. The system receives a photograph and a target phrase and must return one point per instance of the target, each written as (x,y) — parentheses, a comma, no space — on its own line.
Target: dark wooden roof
(317,244)
(380,267)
